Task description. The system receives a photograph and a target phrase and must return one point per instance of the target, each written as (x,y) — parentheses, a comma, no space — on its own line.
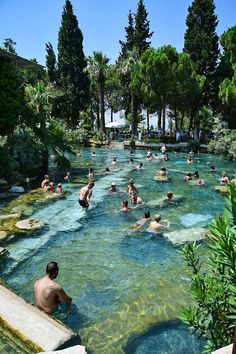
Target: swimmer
(139,167)
(224,179)
(131,161)
(132,191)
(85,195)
(156,225)
(199,182)
(189,160)
(67,177)
(169,195)
(213,169)
(113,188)
(51,184)
(162,172)
(125,206)
(59,188)
(156,157)
(234,179)
(196,175)
(166,157)
(90,174)
(114,162)
(46,178)
(93,154)
(47,186)
(163,149)
(141,222)
(188,176)
(49,294)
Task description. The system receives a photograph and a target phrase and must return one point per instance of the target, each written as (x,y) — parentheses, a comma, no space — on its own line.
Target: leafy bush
(27,151)
(7,164)
(194,145)
(214,287)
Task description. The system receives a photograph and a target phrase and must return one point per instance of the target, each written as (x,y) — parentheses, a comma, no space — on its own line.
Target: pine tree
(71,65)
(202,42)
(51,62)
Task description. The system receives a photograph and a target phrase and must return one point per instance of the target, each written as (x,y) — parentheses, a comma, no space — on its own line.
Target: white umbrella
(115,124)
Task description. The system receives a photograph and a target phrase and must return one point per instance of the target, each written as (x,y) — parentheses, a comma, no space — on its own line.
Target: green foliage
(51,63)
(224,141)
(194,145)
(71,64)
(214,286)
(11,98)
(98,69)
(7,162)
(27,150)
(9,45)
(201,42)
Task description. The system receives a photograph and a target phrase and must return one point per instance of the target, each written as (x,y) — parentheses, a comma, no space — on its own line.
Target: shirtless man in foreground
(48,294)
(85,194)
(156,225)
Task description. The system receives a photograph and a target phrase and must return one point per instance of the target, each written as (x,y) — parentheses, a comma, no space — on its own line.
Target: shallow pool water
(124,282)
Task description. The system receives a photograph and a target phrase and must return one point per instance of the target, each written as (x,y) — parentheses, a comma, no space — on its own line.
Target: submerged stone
(221,189)
(161,178)
(199,220)
(186,235)
(163,202)
(30,224)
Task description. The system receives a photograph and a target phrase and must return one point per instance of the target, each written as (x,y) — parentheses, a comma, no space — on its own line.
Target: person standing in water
(85,195)
(49,294)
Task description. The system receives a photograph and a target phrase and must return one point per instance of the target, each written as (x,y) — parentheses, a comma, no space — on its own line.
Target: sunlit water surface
(128,286)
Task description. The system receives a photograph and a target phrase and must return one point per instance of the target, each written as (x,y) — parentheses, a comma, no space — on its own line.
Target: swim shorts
(83,203)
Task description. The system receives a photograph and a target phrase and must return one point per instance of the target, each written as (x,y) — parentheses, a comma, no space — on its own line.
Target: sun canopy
(115,124)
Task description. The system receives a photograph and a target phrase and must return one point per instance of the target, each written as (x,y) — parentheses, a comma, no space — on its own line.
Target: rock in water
(161,178)
(221,189)
(17,189)
(199,220)
(30,224)
(186,235)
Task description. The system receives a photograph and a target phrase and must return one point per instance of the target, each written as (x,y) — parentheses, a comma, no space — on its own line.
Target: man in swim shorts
(48,294)
(85,195)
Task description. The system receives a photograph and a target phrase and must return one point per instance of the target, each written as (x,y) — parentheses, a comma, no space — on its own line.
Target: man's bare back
(48,294)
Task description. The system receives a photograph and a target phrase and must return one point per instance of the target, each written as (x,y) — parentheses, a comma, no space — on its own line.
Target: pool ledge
(225,350)
(77,349)
(35,327)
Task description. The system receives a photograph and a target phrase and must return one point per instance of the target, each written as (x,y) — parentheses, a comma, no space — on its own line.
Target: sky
(32,23)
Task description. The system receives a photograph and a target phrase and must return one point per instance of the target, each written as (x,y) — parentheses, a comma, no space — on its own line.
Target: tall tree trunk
(164,120)
(159,118)
(102,108)
(176,119)
(98,117)
(148,120)
(111,114)
(182,119)
(134,115)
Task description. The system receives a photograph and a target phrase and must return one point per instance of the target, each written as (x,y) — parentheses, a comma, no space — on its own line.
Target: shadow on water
(169,338)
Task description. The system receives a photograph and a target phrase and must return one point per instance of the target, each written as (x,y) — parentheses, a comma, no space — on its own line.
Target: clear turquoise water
(127,285)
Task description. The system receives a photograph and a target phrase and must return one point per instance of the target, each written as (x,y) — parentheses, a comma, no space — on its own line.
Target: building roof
(18,61)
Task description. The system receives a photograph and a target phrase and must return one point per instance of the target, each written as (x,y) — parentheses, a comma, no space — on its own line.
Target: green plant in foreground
(213,286)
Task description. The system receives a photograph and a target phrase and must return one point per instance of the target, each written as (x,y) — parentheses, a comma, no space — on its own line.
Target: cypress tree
(71,65)
(51,63)
(202,42)
(129,43)
(142,31)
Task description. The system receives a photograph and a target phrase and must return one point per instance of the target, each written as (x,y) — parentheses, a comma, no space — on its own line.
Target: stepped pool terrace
(128,285)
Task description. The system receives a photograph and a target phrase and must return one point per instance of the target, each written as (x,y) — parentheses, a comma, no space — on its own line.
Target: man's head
(52,269)
(113,185)
(90,185)
(157,217)
(169,195)
(147,214)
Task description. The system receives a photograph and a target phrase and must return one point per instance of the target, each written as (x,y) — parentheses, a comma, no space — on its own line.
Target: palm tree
(39,99)
(126,67)
(98,68)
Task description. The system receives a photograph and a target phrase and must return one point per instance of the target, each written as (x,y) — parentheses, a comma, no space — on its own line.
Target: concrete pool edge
(36,328)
